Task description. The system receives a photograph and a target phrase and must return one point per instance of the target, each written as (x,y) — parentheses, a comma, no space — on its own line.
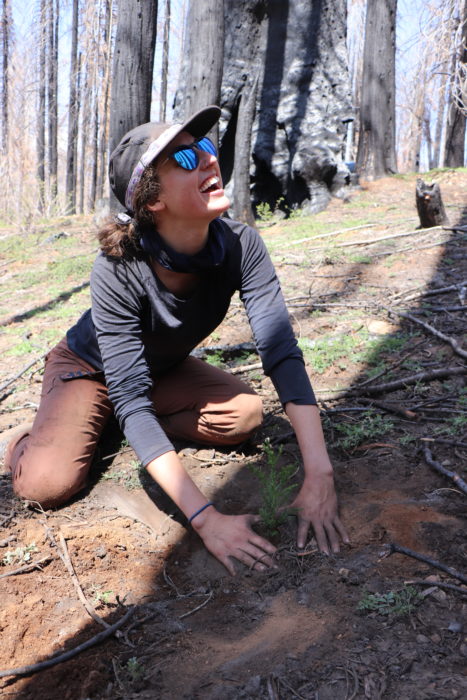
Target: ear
(156,206)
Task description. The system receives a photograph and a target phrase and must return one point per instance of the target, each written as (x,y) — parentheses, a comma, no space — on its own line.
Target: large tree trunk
(241,206)
(5,32)
(130,103)
(40,140)
(376,148)
(104,101)
(72,116)
(455,131)
(201,73)
(165,63)
(52,86)
(303,97)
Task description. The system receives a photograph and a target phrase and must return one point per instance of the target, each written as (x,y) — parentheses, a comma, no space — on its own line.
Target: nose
(206,159)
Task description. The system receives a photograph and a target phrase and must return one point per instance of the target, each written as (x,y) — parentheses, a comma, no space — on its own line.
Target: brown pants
(194,401)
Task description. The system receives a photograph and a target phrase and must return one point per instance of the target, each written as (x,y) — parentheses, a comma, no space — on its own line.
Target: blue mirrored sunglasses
(187,157)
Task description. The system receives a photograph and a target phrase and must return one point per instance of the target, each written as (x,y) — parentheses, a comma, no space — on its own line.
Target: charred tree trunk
(5,34)
(72,116)
(376,147)
(455,132)
(41,106)
(242,209)
(132,72)
(201,74)
(430,205)
(52,86)
(165,64)
(104,106)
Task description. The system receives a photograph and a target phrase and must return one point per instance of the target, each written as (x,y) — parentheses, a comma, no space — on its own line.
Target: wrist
(201,520)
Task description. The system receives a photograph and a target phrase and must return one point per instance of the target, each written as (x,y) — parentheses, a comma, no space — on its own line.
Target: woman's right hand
(227,536)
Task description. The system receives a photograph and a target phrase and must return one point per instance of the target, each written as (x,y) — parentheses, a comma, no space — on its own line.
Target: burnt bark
(41,115)
(70,187)
(455,131)
(242,209)
(5,36)
(376,154)
(132,72)
(201,71)
(303,98)
(430,205)
(53,10)
(165,63)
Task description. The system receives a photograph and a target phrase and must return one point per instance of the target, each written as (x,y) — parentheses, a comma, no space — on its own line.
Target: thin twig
(28,567)
(452,341)
(429,376)
(443,441)
(23,371)
(399,549)
(331,233)
(245,368)
(65,557)
(458,480)
(431,292)
(205,602)
(438,584)
(376,240)
(390,367)
(97,639)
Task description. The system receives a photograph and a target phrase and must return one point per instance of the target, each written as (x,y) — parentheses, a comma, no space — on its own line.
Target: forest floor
(366,623)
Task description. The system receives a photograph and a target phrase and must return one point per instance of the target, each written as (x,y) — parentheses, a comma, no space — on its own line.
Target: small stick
(205,602)
(454,476)
(442,441)
(65,557)
(245,368)
(331,233)
(377,240)
(430,375)
(452,341)
(399,549)
(23,371)
(438,584)
(97,639)
(28,567)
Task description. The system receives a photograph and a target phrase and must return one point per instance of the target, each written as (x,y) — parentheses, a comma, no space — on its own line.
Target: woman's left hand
(316,506)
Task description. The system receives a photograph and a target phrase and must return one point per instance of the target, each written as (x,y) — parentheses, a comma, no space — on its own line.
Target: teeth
(209,183)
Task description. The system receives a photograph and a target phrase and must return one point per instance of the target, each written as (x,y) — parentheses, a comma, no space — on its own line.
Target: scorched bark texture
(298,51)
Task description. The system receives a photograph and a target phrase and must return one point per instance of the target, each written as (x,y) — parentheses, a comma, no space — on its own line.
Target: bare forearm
(168,471)
(306,423)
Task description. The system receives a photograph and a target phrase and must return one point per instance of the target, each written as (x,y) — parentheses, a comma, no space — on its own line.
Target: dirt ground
(361,624)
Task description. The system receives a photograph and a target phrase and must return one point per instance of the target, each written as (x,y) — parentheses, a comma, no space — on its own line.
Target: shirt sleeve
(116,313)
(261,294)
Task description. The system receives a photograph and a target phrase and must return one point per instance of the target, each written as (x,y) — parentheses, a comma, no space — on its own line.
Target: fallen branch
(28,567)
(399,549)
(390,367)
(205,602)
(245,368)
(23,371)
(429,376)
(48,663)
(65,557)
(377,240)
(452,341)
(438,584)
(331,233)
(389,408)
(432,292)
(443,441)
(437,466)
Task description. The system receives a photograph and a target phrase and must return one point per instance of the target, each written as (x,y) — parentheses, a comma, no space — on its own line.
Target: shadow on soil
(295,632)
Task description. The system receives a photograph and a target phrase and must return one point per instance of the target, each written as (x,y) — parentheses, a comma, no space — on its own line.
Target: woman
(162,283)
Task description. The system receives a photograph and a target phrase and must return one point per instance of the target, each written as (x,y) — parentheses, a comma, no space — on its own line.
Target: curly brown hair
(119,240)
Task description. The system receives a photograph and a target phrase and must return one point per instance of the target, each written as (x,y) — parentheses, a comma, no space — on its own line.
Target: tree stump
(430,205)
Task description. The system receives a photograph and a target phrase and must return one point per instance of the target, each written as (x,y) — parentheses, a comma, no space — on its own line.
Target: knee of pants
(249,416)
(48,487)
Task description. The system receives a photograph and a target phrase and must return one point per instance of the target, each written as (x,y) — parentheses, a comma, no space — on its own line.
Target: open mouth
(210,185)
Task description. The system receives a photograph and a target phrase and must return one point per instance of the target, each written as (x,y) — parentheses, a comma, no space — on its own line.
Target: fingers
(302,532)
(328,535)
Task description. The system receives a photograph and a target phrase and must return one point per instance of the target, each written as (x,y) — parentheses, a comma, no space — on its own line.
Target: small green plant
(275,489)
(395,603)
(215,358)
(102,597)
(130,477)
(369,426)
(135,669)
(20,555)
(264,212)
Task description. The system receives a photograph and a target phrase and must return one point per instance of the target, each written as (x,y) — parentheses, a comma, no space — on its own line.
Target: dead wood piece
(225,349)
(245,368)
(97,639)
(430,205)
(392,408)
(443,441)
(331,233)
(431,375)
(454,476)
(198,607)
(399,549)
(23,371)
(438,584)
(28,567)
(372,241)
(65,557)
(452,341)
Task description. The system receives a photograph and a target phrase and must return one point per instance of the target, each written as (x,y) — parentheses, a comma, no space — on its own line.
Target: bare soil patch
(342,627)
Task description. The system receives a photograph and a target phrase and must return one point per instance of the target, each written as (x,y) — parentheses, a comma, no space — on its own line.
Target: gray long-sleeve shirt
(137,329)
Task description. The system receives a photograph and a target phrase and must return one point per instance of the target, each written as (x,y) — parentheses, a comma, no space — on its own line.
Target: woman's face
(194,195)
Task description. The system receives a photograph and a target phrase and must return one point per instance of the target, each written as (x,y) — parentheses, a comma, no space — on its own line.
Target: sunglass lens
(186,158)
(205,144)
